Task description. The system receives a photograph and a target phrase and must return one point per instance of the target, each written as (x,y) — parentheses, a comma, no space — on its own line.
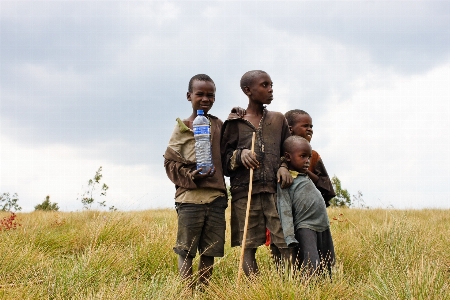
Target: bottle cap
(200,112)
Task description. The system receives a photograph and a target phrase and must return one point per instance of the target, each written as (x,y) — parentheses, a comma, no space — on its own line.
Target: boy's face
(260,90)
(298,158)
(302,126)
(202,96)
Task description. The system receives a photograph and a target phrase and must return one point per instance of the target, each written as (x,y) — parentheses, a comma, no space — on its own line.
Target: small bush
(46,205)
(8,203)
(9,222)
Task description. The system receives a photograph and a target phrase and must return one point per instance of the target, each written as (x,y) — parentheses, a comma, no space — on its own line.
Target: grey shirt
(301,206)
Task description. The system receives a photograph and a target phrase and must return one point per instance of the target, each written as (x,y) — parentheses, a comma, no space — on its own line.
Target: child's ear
(287,156)
(188,96)
(290,129)
(247,91)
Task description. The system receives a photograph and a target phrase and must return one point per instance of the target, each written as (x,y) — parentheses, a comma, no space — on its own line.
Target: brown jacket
(237,135)
(324,183)
(178,165)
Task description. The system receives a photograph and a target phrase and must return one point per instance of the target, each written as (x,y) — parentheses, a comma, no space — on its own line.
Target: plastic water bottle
(202,135)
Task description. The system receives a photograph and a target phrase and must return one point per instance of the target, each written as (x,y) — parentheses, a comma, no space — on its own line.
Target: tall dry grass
(381,254)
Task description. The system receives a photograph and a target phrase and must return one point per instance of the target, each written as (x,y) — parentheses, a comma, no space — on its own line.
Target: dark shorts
(263,214)
(315,249)
(201,227)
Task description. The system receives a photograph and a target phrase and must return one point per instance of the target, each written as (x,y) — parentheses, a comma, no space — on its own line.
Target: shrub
(46,205)
(87,198)
(8,203)
(342,195)
(9,222)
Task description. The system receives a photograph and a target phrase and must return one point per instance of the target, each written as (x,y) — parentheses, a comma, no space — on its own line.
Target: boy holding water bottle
(200,199)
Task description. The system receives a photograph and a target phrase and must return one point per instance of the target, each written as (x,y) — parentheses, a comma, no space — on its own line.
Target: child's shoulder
(315,153)
(182,125)
(275,115)
(213,118)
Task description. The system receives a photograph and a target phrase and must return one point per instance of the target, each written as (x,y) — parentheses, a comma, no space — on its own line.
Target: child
(271,130)
(303,212)
(200,199)
(300,123)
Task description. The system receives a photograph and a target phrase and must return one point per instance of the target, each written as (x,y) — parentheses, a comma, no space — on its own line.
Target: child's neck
(254,113)
(190,120)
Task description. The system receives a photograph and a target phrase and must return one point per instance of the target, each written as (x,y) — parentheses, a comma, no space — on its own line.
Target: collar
(182,126)
(294,174)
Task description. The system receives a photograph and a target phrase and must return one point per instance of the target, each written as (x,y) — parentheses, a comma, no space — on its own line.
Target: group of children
(290,185)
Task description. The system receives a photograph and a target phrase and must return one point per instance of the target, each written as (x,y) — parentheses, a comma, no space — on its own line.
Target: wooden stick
(249,199)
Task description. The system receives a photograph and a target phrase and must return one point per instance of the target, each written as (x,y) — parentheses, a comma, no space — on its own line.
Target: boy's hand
(239,111)
(284,177)
(196,174)
(248,159)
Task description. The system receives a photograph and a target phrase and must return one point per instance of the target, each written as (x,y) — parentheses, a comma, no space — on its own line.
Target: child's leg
(185,266)
(326,250)
(307,239)
(249,264)
(205,268)
(281,256)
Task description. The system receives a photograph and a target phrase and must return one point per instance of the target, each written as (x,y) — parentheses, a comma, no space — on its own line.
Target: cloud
(391,139)
(35,171)
(104,81)
(409,37)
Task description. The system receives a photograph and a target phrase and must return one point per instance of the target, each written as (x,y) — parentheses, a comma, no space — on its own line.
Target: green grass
(381,254)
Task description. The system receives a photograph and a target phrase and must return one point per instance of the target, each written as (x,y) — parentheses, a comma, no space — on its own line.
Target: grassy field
(381,254)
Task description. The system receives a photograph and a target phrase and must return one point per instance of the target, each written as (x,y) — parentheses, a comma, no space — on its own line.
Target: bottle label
(202,129)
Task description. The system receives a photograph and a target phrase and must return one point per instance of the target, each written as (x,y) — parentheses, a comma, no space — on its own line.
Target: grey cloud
(93,73)
(409,36)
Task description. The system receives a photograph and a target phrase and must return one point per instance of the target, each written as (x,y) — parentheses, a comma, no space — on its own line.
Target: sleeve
(228,145)
(178,171)
(324,183)
(233,165)
(284,205)
(285,133)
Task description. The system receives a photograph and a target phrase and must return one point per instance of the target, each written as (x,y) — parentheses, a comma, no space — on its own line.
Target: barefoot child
(200,199)
(271,130)
(300,123)
(303,212)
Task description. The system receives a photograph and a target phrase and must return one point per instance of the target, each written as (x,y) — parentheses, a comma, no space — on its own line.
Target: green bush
(46,205)
(8,203)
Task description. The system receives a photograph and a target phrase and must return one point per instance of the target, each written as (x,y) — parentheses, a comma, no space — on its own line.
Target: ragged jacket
(179,159)
(324,183)
(237,135)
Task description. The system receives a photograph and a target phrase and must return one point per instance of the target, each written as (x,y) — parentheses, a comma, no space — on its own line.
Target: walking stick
(249,198)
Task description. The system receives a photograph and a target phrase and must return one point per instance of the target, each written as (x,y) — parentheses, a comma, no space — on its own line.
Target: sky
(100,83)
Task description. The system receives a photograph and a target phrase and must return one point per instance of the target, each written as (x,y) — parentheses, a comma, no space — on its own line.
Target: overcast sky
(100,83)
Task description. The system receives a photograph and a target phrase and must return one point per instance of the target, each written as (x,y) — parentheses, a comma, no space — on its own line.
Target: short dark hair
(199,77)
(289,143)
(290,115)
(248,77)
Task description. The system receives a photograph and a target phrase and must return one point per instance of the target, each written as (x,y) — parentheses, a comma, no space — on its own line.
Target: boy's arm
(284,205)
(283,176)
(322,181)
(178,171)
(228,152)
